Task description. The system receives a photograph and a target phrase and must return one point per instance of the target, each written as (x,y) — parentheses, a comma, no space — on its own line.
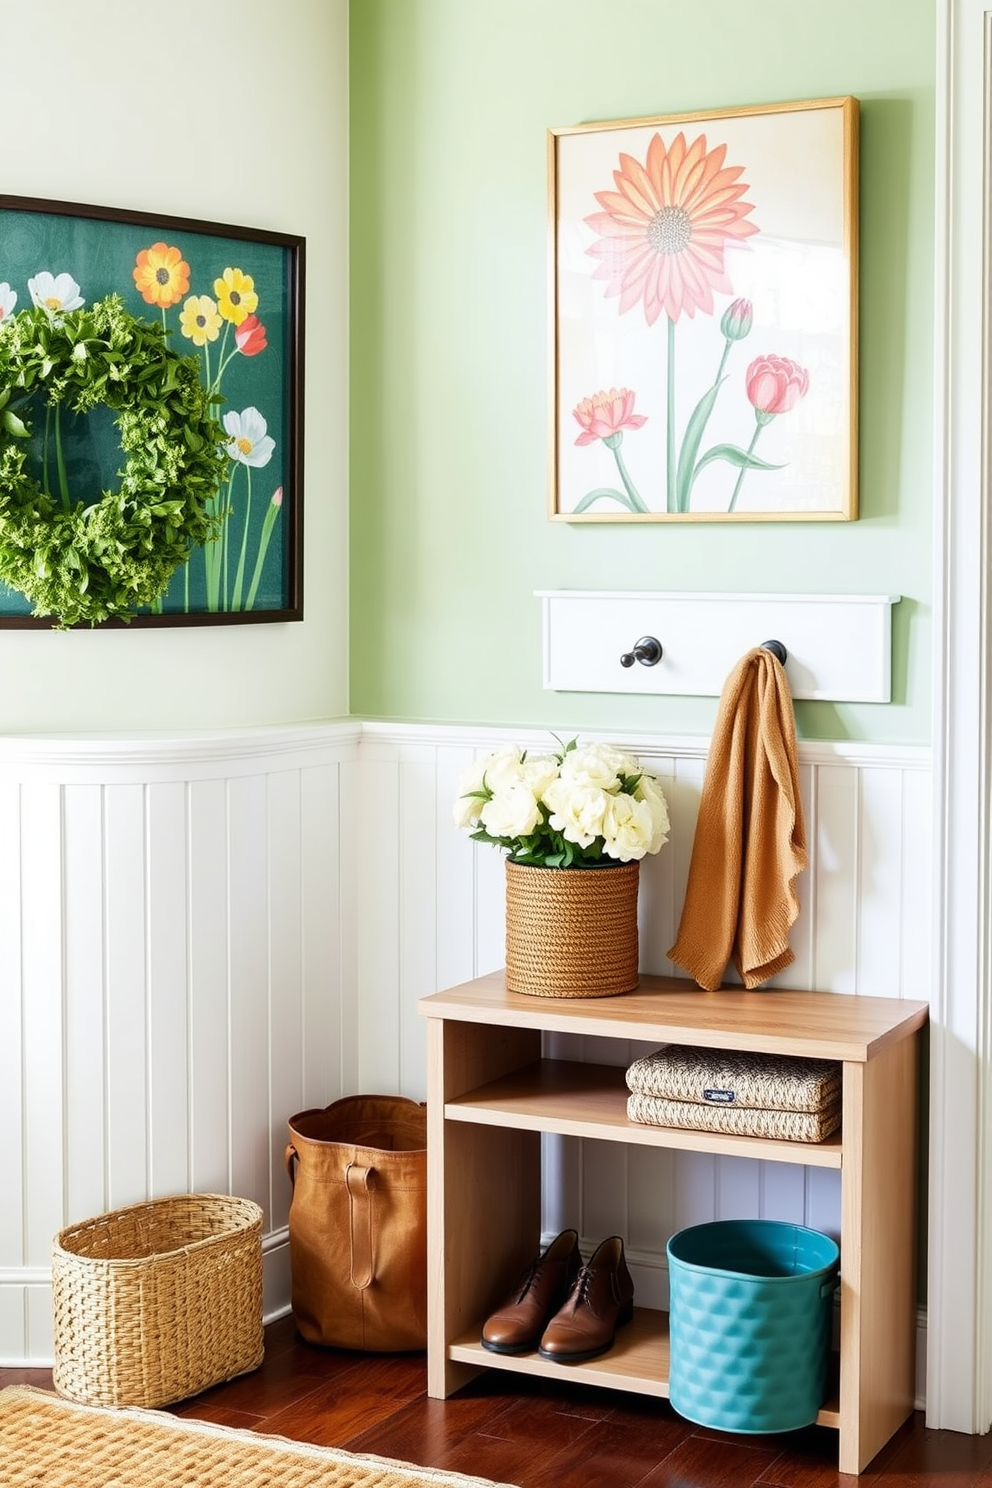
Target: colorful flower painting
(227,300)
(704,271)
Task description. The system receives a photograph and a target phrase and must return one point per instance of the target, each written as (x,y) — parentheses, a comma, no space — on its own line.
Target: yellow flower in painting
(161,275)
(236,297)
(199,320)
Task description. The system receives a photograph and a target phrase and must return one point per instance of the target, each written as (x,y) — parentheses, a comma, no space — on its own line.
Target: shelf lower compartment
(639,1361)
(590,1100)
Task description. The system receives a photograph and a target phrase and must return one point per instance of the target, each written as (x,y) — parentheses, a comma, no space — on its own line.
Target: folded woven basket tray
(759,1095)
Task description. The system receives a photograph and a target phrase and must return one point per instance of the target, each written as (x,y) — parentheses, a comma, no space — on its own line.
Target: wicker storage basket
(157,1301)
(571,932)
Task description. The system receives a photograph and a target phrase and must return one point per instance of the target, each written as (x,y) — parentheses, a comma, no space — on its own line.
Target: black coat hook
(777,650)
(647,651)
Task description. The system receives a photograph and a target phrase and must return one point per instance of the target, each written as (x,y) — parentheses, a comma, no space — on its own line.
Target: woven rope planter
(157,1301)
(571,932)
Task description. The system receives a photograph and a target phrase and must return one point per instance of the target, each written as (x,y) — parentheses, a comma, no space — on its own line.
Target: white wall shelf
(839,646)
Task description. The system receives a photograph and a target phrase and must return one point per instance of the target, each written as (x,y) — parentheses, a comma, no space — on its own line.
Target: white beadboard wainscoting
(199,937)
(172,981)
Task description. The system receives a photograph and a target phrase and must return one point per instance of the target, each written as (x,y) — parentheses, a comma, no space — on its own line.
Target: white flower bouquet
(579,808)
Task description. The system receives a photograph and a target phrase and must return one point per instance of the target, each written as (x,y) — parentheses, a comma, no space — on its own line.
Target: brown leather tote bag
(358,1223)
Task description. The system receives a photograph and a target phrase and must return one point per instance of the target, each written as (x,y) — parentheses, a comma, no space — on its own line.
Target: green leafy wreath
(112,554)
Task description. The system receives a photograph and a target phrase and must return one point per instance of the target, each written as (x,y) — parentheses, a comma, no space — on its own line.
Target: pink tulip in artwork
(775,384)
(605,414)
(737,320)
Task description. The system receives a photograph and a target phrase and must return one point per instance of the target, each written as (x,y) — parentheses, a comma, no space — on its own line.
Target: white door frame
(959,1327)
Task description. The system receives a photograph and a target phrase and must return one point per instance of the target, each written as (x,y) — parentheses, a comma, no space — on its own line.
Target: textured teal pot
(751,1305)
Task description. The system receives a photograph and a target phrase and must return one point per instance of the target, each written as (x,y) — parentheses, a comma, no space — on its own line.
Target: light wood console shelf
(491,1095)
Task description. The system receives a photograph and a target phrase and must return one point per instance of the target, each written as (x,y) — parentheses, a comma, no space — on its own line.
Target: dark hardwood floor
(538,1434)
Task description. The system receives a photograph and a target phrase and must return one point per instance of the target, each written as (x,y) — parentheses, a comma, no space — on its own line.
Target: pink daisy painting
(663,230)
(705,301)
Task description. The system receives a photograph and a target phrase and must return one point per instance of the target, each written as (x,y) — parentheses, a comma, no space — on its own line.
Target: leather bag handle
(360,1183)
(291,1159)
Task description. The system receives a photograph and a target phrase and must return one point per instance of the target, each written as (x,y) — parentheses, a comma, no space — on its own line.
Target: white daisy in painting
(250,442)
(8,299)
(55,293)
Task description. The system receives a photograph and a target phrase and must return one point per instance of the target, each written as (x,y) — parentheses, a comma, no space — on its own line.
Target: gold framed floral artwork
(219,306)
(703,296)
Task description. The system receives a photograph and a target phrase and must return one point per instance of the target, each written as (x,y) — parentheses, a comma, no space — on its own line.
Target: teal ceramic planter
(750,1323)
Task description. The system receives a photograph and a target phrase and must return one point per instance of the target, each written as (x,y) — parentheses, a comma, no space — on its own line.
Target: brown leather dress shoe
(518,1324)
(601,1300)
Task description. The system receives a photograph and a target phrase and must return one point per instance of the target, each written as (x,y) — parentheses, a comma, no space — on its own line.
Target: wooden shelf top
(814,1025)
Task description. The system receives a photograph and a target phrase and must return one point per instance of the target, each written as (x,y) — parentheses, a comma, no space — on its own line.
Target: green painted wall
(450,103)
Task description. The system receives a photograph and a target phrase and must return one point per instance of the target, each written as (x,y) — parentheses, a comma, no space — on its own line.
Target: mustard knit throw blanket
(750,842)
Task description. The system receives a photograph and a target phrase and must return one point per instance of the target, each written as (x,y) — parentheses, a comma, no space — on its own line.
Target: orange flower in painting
(663,231)
(161,275)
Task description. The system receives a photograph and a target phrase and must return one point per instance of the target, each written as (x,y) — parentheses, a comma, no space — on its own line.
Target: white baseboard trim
(921,1359)
(276,1313)
(275,1291)
(648,1269)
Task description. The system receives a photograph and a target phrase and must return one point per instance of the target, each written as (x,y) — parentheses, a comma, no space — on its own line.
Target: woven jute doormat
(45,1440)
